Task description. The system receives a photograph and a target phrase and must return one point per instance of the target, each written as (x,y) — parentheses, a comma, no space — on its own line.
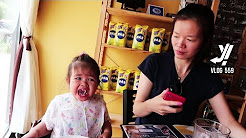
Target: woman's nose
(181,43)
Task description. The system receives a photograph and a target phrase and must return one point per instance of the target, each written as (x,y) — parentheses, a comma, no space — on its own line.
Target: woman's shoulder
(203,66)
(156,61)
(164,54)
(167,56)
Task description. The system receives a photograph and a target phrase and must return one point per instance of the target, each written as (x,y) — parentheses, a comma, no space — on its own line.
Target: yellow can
(136,80)
(140,37)
(130,36)
(113,77)
(111,33)
(104,77)
(156,40)
(121,33)
(166,41)
(131,80)
(122,81)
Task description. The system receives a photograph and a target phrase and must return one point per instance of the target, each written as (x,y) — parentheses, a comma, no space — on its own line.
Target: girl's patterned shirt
(67,116)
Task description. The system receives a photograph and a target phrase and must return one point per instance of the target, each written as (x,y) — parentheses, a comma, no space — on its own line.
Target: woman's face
(186,39)
(82,83)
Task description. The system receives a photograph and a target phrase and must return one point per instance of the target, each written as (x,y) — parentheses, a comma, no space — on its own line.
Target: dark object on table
(172,15)
(132,4)
(128,98)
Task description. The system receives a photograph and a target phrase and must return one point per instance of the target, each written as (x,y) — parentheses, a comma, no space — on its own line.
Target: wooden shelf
(112,92)
(127,49)
(138,15)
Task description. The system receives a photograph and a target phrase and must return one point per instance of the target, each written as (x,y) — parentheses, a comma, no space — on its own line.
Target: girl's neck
(183,67)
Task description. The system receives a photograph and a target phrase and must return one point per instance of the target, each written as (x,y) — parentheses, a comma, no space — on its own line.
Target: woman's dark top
(199,84)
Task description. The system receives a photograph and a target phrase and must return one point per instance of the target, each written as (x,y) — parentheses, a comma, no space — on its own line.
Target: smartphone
(169,96)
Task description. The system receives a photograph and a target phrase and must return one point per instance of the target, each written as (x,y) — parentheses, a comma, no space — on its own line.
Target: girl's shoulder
(96,101)
(64,96)
(97,97)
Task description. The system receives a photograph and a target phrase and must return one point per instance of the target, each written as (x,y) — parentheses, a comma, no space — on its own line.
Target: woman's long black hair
(204,16)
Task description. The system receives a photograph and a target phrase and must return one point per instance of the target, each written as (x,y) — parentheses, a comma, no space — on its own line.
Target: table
(160,131)
(187,131)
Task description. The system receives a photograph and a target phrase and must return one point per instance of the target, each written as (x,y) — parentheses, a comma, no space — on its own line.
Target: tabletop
(149,130)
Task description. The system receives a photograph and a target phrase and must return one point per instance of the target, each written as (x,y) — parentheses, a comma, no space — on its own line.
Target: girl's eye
(90,79)
(78,78)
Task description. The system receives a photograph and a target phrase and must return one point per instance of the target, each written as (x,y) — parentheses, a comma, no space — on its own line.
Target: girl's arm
(143,107)
(223,113)
(107,130)
(38,131)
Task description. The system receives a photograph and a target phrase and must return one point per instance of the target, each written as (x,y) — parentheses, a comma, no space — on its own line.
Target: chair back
(128,100)
(237,105)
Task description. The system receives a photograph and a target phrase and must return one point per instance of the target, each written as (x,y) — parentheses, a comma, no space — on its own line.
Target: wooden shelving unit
(138,15)
(126,49)
(112,92)
(114,100)
(107,11)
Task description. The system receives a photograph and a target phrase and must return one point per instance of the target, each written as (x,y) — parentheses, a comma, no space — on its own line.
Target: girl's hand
(105,135)
(107,130)
(163,107)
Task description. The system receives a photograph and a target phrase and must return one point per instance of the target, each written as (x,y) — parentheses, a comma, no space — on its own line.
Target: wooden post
(101,31)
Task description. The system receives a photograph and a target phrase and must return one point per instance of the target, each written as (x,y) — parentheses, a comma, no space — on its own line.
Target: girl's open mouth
(82,92)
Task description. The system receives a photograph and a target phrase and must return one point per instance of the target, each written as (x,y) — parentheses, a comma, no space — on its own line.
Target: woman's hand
(163,107)
(144,106)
